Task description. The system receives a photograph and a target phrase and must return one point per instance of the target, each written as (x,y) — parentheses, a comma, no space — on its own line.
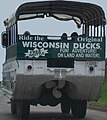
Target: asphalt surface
(46,113)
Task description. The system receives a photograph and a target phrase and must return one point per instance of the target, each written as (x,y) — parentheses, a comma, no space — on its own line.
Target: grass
(103,100)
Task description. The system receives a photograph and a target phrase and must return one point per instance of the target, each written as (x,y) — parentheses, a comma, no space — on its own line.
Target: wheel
(65,107)
(79,109)
(13,107)
(23,109)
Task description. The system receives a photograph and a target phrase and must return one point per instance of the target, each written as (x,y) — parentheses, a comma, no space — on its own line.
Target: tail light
(4,39)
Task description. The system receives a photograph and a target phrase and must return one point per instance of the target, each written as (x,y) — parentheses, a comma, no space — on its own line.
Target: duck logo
(36,53)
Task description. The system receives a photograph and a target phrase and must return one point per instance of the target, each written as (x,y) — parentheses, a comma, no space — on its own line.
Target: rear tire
(23,109)
(13,107)
(79,109)
(65,106)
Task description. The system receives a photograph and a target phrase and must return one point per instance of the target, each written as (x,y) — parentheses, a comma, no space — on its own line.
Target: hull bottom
(76,87)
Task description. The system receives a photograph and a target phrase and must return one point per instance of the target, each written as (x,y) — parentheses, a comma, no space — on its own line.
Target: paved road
(46,113)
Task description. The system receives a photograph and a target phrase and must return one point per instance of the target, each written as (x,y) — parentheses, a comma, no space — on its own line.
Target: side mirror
(4,38)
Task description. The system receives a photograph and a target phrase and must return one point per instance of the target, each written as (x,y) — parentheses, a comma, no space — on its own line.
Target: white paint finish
(9,71)
(10,66)
(81,68)
(39,67)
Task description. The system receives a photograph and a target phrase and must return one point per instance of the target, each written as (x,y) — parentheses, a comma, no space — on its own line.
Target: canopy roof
(80,12)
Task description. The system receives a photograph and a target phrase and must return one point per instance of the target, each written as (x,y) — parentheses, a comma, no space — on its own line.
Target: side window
(11,35)
(14,33)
